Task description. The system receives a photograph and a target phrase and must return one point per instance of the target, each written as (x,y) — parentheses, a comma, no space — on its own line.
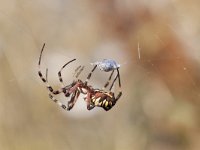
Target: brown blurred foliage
(157,44)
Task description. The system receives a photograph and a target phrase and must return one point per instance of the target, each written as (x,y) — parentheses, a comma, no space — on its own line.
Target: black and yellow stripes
(104,103)
(107,100)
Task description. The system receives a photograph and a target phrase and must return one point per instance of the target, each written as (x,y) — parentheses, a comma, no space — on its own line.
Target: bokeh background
(157,44)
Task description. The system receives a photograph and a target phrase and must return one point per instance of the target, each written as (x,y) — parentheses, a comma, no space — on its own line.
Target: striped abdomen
(103,100)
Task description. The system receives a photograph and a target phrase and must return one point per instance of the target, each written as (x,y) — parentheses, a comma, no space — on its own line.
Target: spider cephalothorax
(93,96)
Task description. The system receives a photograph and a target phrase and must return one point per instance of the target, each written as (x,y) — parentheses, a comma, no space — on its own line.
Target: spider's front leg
(50,88)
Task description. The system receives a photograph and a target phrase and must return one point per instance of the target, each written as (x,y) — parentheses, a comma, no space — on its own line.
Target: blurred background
(157,44)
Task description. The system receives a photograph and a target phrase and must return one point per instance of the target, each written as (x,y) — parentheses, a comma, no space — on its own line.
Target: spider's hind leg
(108,81)
(119,82)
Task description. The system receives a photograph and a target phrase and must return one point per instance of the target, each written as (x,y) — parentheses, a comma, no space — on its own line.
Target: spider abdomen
(103,101)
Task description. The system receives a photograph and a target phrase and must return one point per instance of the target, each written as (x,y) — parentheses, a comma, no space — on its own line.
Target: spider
(93,97)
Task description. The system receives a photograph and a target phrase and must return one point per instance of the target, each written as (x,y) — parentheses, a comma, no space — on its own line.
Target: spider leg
(79,69)
(119,81)
(74,90)
(117,76)
(90,74)
(59,73)
(50,88)
(88,101)
(108,82)
(75,72)
(73,99)
(79,72)
(53,98)
(90,107)
(57,101)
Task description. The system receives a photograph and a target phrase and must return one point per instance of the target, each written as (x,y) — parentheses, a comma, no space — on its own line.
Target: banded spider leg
(50,88)
(59,103)
(74,95)
(75,90)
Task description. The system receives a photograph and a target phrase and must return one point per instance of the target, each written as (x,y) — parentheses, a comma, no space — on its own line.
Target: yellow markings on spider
(97,101)
(106,103)
(93,100)
(100,103)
